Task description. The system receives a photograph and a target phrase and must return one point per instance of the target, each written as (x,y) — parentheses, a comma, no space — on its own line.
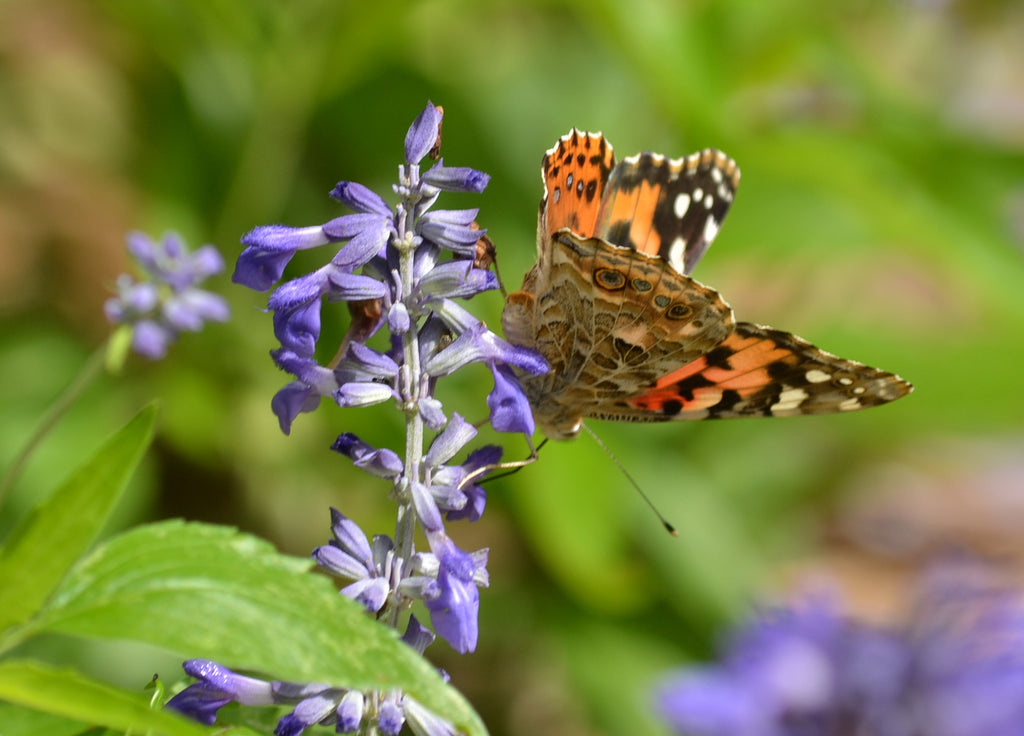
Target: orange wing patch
(759,371)
(575,172)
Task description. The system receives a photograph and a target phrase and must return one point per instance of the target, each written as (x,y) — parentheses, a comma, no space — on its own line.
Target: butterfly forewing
(575,172)
(670,208)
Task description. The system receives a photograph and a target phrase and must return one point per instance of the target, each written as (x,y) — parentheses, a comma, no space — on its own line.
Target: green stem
(90,370)
(409,388)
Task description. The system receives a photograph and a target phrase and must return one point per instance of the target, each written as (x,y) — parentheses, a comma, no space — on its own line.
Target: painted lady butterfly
(629,336)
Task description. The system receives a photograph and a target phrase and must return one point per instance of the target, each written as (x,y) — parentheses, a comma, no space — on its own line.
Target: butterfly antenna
(661,517)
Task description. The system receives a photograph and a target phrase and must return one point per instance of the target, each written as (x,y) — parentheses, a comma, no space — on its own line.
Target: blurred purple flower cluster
(167,301)
(955,669)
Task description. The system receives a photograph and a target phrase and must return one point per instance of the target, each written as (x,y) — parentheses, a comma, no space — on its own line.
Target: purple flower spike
(422,134)
(401,269)
(337,561)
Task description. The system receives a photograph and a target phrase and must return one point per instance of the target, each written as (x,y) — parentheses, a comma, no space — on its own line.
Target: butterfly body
(628,334)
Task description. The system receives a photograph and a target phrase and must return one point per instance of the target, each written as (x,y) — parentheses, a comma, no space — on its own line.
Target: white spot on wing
(816,376)
(710,229)
(789,400)
(681,204)
(709,201)
(849,404)
(716,175)
(698,194)
(676,251)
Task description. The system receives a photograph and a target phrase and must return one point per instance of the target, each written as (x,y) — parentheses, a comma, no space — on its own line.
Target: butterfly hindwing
(608,320)
(760,371)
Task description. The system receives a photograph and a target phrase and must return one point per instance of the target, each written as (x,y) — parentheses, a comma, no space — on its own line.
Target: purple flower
(217,687)
(168,301)
(454,601)
(350,711)
(422,134)
(350,555)
(309,712)
(268,249)
(509,407)
(451,230)
(456,178)
(383,463)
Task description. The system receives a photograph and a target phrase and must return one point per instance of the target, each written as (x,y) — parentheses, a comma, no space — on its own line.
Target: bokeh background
(881,215)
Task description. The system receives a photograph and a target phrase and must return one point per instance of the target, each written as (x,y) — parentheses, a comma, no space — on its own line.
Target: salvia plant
(399,270)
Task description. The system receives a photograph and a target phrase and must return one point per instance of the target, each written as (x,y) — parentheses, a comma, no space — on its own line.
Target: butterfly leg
(512,466)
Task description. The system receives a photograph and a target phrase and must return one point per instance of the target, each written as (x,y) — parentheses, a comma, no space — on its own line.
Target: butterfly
(629,336)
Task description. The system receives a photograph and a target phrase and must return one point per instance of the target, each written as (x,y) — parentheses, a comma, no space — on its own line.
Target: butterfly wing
(575,172)
(670,208)
(608,320)
(760,371)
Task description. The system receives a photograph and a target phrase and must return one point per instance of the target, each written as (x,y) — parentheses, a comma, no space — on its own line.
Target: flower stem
(67,398)
(409,388)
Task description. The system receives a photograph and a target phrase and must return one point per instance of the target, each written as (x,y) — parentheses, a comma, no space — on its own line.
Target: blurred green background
(881,215)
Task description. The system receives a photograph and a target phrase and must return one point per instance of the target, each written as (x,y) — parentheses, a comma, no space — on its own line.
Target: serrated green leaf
(210,592)
(48,541)
(69,694)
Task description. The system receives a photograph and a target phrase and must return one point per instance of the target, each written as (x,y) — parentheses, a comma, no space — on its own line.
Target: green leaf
(49,540)
(21,721)
(210,592)
(68,694)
